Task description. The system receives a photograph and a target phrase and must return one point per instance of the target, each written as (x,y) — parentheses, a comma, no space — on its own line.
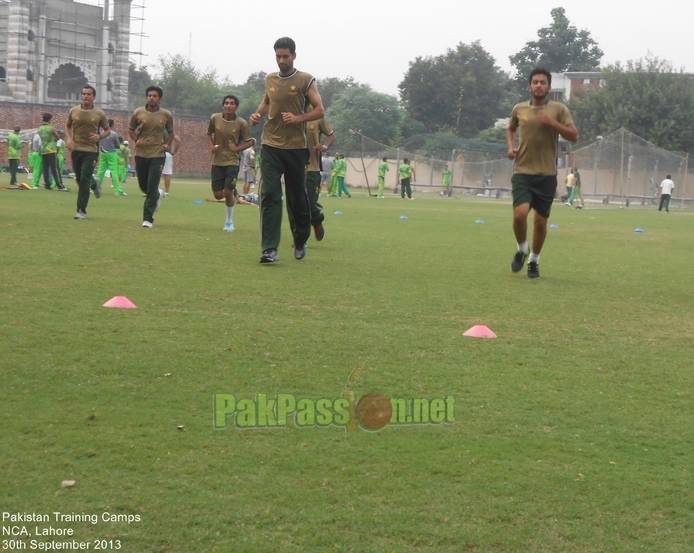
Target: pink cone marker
(120,301)
(479,331)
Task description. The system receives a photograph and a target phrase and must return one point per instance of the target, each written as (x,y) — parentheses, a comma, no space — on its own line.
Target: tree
(462,89)
(560,47)
(359,109)
(138,81)
(331,87)
(493,134)
(647,97)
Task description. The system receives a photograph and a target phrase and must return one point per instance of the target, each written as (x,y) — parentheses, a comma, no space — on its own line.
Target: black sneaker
(299,251)
(518,261)
(319,231)
(533,270)
(269,256)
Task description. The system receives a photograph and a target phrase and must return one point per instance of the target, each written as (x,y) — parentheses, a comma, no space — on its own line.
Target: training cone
(197,201)
(639,230)
(479,222)
(479,331)
(403,216)
(120,301)
(554,225)
(338,213)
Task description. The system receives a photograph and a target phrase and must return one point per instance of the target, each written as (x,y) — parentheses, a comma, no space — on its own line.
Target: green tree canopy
(138,81)
(462,89)
(333,86)
(559,47)
(359,109)
(647,97)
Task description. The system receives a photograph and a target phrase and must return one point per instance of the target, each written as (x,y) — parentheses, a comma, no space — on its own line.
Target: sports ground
(572,430)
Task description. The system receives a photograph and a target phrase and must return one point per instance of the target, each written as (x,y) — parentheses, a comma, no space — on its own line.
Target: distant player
(287,93)
(49,150)
(108,159)
(227,134)
(14,153)
(406,174)
(383,168)
(534,182)
(326,169)
(147,129)
(665,192)
(316,129)
(167,171)
(445,182)
(249,167)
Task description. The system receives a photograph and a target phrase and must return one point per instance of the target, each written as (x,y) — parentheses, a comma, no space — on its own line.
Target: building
(566,85)
(49,49)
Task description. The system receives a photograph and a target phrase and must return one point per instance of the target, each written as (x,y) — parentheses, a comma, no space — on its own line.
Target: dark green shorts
(224,176)
(536,190)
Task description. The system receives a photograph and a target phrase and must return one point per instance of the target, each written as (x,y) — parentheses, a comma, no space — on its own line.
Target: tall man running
(534,182)
(227,134)
(85,126)
(285,150)
(147,126)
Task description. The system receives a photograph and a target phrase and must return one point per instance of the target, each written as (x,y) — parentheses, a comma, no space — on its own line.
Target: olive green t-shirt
(314,130)
(83,123)
(149,127)
(537,151)
(223,131)
(286,94)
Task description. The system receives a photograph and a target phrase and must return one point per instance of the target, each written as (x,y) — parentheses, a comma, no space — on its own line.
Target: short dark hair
(156,89)
(407,161)
(540,71)
(90,87)
(110,123)
(285,42)
(385,158)
(17,128)
(236,100)
(668,177)
(47,117)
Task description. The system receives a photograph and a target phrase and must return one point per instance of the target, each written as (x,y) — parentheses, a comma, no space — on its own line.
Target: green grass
(573,428)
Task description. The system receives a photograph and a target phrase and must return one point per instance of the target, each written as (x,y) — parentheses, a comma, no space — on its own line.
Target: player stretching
(534,181)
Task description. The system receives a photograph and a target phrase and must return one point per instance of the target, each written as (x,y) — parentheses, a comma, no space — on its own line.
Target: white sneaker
(97,187)
(166,195)
(121,194)
(147,224)
(161,193)
(80,215)
(228,227)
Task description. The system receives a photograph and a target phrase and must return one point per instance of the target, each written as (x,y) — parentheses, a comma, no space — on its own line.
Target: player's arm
(328,142)
(569,132)
(68,133)
(241,147)
(263,108)
(169,139)
(176,144)
(511,142)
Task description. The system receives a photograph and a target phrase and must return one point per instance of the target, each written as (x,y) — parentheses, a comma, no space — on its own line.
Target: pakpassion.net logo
(372,412)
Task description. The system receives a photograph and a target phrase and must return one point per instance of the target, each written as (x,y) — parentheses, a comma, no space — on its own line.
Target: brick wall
(193,159)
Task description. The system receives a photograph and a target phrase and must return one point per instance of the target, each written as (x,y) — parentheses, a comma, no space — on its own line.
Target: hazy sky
(374,41)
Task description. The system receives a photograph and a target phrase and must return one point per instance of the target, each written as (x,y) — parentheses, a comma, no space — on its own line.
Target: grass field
(573,429)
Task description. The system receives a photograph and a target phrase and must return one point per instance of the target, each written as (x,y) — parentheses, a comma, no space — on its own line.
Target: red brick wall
(193,159)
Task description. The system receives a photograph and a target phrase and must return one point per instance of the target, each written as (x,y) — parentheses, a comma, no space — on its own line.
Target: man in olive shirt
(315,130)
(534,182)
(147,130)
(227,134)
(285,150)
(14,153)
(85,126)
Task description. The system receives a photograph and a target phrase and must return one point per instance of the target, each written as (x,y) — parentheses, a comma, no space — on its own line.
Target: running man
(108,159)
(316,129)
(227,134)
(287,94)
(383,168)
(85,126)
(147,128)
(534,182)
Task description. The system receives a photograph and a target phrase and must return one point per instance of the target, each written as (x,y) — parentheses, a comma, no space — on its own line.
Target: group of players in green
(47,158)
(292,152)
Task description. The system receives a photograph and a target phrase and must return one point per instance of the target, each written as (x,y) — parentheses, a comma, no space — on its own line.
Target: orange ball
(374,411)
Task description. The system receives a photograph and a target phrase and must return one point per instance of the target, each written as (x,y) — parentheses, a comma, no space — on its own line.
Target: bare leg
(246,187)
(520,222)
(167,183)
(539,233)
